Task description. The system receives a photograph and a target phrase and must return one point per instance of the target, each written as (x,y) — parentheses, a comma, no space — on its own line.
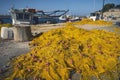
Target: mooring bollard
(7,33)
(22,33)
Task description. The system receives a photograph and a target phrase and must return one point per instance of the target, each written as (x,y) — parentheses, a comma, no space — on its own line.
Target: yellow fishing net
(91,22)
(57,53)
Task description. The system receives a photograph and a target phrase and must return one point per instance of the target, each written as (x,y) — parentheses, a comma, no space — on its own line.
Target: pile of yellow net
(91,22)
(58,53)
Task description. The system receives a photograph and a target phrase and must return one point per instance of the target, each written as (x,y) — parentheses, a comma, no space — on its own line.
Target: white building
(112,15)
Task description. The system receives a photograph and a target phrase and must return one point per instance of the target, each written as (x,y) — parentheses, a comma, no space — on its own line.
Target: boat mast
(102,9)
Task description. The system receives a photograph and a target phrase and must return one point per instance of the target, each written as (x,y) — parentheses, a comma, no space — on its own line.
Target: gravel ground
(91,27)
(10,48)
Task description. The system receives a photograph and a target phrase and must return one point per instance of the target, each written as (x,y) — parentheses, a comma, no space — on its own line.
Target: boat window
(19,16)
(26,16)
(23,16)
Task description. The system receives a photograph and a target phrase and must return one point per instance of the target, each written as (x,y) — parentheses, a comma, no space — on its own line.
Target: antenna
(94,6)
(27,7)
(12,6)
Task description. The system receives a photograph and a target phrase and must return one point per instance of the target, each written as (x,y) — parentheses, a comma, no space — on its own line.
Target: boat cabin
(21,17)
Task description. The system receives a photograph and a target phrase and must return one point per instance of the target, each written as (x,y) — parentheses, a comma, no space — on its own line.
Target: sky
(76,7)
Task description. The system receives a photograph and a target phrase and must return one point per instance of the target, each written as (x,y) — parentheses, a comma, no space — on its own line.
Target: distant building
(5,19)
(112,15)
